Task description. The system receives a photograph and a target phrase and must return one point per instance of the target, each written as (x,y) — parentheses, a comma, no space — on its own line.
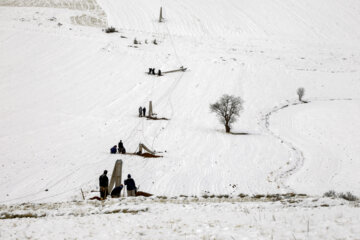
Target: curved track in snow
(296,159)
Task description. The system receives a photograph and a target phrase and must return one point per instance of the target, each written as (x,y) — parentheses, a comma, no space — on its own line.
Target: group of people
(142,111)
(116,192)
(118,149)
(152,71)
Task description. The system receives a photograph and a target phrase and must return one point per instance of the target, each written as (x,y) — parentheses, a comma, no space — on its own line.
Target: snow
(69,92)
(186,218)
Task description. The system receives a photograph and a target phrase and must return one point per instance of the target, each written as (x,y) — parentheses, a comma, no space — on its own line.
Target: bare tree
(227,109)
(300,92)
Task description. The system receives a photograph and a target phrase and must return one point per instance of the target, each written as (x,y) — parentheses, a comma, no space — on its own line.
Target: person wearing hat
(130,186)
(104,183)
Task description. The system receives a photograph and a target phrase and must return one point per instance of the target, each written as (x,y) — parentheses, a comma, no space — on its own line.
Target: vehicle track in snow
(296,161)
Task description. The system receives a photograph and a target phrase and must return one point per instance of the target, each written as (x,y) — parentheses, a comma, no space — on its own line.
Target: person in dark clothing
(113,149)
(121,148)
(159,72)
(153,71)
(130,186)
(140,111)
(150,70)
(104,183)
(144,111)
(116,192)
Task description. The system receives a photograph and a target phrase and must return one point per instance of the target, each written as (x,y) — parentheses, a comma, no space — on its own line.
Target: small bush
(155,42)
(258,196)
(242,195)
(162,197)
(110,30)
(136,41)
(330,194)
(6,215)
(348,196)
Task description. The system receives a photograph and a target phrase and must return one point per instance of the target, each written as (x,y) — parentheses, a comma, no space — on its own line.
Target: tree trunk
(227,128)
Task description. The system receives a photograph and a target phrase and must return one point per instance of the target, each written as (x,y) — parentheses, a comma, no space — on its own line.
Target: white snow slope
(69,92)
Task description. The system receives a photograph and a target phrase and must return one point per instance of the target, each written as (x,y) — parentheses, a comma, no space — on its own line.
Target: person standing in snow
(144,111)
(130,186)
(121,147)
(140,111)
(104,183)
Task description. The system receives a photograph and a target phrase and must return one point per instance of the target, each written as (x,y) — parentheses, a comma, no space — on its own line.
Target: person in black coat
(116,192)
(121,147)
(104,184)
(144,111)
(130,186)
(140,111)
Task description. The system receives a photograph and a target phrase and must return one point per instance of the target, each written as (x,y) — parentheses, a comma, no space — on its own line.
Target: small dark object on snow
(110,30)
(95,198)
(116,192)
(144,194)
(113,149)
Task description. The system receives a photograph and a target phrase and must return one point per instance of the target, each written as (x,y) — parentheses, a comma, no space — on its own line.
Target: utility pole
(150,109)
(160,17)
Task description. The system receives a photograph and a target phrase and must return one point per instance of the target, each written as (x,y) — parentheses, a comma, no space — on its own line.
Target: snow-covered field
(69,92)
(184,218)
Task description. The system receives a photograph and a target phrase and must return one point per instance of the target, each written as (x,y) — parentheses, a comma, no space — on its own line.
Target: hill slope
(71,92)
